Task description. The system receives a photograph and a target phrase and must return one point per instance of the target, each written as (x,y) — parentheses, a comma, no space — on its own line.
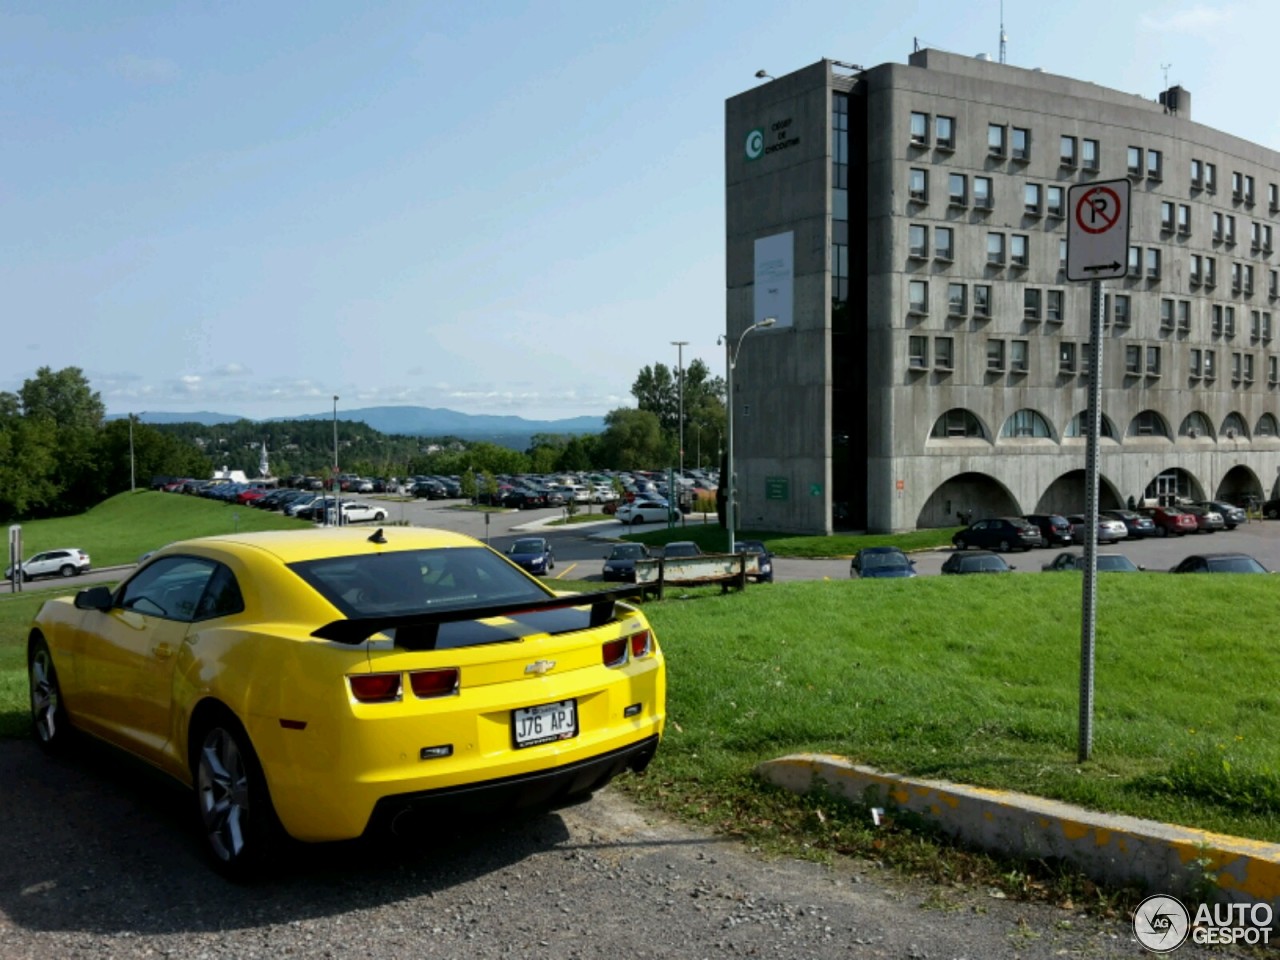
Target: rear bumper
(542,788)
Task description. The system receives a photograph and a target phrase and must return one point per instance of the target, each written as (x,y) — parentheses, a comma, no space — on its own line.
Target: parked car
(1232,516)
(1110,530)
(1137,525)
(287,671)
(1107,562)
(999,533)
(646,511)
(1208,520)
(1219,563)
(1054,528)
(620,562)
(979,561)
(764,559)
(533,554)
(63,562)
(357,511)
(681,548)
(874,563)
(1170,521)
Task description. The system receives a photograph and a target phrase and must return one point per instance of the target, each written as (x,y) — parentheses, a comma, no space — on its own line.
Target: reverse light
(375,687)
(641,644)
(434,683)
(614,653)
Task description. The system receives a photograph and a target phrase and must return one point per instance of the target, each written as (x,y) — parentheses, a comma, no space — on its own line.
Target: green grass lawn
(123,528)
(712,538)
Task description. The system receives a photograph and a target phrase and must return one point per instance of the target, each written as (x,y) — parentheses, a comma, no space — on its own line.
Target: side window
(170,588)
(222,596)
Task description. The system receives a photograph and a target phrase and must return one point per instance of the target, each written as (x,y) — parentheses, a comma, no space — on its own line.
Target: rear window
(1235,565)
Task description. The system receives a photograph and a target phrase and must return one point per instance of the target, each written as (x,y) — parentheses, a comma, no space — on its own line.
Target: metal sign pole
(1089,599)
(15,558)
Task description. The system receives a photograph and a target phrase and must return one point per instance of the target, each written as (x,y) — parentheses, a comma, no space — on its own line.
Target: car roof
(881,550)
(293,546)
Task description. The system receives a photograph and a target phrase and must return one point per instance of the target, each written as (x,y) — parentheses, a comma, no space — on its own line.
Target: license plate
(544,723)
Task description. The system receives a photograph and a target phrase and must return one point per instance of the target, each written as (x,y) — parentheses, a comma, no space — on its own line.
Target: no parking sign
(1098,231)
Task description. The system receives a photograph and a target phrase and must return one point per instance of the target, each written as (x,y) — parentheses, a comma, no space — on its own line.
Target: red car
(1171,522)
(248,496)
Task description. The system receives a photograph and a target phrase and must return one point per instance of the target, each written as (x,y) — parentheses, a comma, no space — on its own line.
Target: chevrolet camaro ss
(325,683)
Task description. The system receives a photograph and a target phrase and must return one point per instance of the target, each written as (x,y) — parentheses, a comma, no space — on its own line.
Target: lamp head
(763,75)
(768,322)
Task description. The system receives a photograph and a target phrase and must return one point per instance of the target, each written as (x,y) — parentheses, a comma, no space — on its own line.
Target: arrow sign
(1098,230)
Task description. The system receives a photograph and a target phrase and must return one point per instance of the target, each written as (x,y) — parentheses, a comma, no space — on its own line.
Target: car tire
(66,570)
(48,714)
(379,517)
(1004,546)
(637,520)
(1161,532)
(1273,514)
(236,817)
(960,543)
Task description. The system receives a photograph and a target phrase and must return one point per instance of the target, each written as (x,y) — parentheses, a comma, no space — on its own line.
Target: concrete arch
(1067,494)
(1196,426)
(1239,484)
(1234,427)
(1149,423)
(976,493)
(955,425)
(1267,427)
(1075,428)
(1173,483)
(1025,424)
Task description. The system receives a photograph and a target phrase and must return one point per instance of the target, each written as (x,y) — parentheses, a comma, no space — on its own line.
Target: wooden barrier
(726,569)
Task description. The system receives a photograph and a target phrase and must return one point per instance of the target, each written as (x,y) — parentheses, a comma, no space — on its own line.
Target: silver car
(63,562)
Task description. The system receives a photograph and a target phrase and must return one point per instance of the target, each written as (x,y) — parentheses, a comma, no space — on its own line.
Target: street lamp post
(337,506)
(680,345)
(132,477)
(733,351)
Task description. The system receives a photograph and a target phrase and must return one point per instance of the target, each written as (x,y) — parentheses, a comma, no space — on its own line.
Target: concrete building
(906,227)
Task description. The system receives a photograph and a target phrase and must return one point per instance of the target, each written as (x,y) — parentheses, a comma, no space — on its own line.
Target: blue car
(764,559)
(881,562)
(533,554)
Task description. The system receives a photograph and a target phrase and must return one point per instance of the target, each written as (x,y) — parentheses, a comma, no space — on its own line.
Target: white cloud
(230,370)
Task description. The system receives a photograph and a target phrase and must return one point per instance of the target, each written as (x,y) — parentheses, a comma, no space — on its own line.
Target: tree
(64,397)
(27,463)
(65,402)
(632,439)
(655,391)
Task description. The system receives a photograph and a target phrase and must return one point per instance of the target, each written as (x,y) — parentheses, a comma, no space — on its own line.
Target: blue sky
(496,207)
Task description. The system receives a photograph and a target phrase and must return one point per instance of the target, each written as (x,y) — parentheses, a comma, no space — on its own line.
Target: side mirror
(94,598)
(1141,567)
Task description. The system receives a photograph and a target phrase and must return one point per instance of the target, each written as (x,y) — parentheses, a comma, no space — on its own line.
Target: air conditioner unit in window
(1193,432)
(1231,433)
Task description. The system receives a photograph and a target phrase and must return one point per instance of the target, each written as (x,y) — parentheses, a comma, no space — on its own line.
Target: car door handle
(162,651)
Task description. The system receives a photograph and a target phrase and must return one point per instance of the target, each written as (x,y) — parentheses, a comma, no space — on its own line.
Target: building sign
(775,488)
(775,279)
(779,136)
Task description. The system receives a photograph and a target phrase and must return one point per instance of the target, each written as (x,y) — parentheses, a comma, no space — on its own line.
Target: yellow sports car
(327,682)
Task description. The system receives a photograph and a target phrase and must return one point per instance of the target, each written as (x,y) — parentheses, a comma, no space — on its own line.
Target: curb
(1105,847)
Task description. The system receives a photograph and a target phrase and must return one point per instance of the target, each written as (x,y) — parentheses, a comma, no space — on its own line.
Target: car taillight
(434,683)
(641,644)
(614,652)
(376,687)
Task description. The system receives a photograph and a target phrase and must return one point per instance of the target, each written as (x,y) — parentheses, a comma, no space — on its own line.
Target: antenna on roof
(1004,37)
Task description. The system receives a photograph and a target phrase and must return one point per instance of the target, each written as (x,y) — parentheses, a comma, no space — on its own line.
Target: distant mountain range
(408,421)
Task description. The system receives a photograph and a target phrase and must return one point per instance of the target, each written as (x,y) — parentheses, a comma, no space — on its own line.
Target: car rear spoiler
(425,627)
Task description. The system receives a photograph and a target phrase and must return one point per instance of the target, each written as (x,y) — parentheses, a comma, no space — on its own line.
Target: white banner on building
(775,278)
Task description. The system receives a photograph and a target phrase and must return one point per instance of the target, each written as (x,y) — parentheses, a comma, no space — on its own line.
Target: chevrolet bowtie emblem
(540,667)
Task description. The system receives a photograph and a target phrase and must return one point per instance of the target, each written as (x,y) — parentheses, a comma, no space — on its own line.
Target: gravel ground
(98,859)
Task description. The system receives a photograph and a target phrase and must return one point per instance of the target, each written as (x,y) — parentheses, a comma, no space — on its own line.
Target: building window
(1055,204)
(1018,255)
(1255,236)
(1237,185)
(1120,304)
(995,249)
(919,185)
(1132,359)
(944,133)
(1166,313)
(1166,216)
(918,297)
(1216,323)
(1153,361)
(1266,326)
(1273,370)
(1067,358)
(1031,304)
(1090,155)
(920,129)
(995,356)
(956,422)
(1237,367)
(1273,197)
(1266,238)
(944,351)
(1062,255)
(1153,263)
(1248,190)
(1031,199)
(1197,174)
(1229,234)
(1229,322)
(1184,316)
(1217,227)
(917,241)
(1248,280)
(1018,356)
(1021,144)
(996,134)
(1084,365)
(1273,290)
(1210,364)
(958,190)
(957,299)
(1248,368)
(1210,271)
(1235,277)
(1155,165)
(1184,220)
(983,195)
(1194,275)
(1067,151)
(1211,177)
(944,243)
(1193,364)
(918,352)
(981,300)
(1255,325)
(1135,161)
(1053,306)
(1135,261)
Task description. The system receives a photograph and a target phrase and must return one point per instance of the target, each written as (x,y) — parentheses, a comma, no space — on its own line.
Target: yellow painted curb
(1110,848)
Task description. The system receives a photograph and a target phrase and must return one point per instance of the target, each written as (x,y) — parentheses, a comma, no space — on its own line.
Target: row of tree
(60,455)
